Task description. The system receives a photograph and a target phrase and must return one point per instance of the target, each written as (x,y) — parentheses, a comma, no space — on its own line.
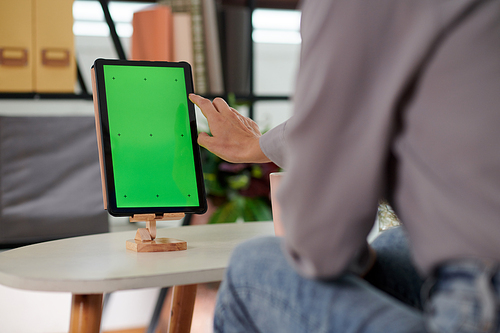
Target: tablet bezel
(102,126)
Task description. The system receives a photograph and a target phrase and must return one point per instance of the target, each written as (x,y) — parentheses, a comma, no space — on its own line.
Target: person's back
(447,186)
(400,99)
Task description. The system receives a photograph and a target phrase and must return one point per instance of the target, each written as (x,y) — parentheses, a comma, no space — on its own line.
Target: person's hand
(235,138)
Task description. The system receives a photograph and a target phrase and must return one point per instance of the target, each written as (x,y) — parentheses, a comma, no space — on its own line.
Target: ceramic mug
(275,179)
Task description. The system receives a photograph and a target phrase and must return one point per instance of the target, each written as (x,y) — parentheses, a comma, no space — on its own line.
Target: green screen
(151,147)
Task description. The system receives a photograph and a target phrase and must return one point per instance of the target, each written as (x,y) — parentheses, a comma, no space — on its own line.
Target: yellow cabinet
(55,67)
(37,46)
(16,40)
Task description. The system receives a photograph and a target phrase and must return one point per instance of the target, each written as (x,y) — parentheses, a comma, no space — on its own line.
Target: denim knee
(465,298)
(257,252)
(251,263)
(394,271)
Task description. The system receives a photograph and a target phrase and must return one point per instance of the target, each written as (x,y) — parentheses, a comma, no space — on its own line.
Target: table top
(101,263)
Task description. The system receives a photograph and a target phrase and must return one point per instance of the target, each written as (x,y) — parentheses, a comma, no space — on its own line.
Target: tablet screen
(148,126)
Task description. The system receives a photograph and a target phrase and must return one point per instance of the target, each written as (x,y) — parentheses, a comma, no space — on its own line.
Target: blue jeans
(262,293)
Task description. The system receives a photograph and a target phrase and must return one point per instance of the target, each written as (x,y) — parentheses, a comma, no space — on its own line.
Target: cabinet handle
(13,56)
(55,57)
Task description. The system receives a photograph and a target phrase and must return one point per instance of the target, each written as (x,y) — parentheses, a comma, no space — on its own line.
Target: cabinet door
(55,69)
(16,56)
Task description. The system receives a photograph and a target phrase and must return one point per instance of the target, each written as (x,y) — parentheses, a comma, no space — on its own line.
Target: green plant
(238,190)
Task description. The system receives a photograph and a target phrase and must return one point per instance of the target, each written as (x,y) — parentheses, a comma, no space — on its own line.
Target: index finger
(205,105)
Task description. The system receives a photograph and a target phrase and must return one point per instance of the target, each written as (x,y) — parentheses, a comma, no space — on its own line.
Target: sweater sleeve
(273,144)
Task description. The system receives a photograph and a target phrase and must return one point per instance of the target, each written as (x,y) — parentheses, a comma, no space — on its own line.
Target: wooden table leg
(182,308)
(86,311)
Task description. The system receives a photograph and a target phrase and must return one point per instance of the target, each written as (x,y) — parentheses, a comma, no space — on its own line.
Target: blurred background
(249,55)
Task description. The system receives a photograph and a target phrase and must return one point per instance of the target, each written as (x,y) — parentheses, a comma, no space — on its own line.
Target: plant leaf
(226,213)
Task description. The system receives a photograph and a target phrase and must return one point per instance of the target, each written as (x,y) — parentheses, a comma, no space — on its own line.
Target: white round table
(89,266)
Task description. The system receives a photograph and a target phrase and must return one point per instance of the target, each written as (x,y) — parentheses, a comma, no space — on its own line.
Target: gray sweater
(395,99)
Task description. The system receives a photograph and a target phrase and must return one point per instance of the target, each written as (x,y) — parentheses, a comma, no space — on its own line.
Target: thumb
(204,139)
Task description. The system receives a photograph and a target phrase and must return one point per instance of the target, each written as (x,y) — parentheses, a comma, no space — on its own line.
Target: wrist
(256,155)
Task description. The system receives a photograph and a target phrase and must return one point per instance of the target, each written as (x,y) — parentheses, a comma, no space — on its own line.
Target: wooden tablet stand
(145,238)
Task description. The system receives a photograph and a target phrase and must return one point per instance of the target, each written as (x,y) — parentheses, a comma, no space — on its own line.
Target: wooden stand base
(156,245)
(145,238)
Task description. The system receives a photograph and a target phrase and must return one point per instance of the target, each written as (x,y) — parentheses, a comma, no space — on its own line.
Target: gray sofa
(49,179)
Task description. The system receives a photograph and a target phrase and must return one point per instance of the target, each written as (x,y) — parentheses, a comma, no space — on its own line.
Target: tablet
(147,138)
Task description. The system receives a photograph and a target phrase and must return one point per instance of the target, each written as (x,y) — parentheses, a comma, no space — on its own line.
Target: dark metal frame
(112,30)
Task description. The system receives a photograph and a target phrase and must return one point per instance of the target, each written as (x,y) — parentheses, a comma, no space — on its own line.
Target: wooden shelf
(275,4)
(249,98)
(45,96)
